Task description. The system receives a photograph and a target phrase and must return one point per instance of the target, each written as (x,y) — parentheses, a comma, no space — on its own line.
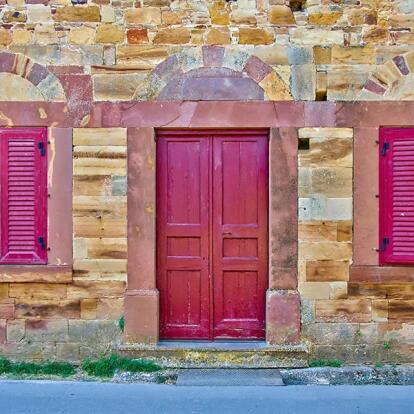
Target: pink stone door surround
(142,297)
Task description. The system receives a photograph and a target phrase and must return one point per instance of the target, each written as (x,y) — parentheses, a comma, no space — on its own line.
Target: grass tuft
(325,363)
(106,367)
(63,369)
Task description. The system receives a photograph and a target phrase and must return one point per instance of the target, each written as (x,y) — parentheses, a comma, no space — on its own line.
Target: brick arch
(393,80)
(45,83)
(214,73)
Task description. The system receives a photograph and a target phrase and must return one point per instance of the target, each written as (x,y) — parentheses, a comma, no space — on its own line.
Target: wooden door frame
(282,298)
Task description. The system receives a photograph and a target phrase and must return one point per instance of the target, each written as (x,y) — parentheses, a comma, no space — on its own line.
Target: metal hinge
(385,148)
(41,241)
(385,242)
(41,148)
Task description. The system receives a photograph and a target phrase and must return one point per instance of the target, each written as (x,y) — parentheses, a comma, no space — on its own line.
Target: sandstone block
(119,185)
(39,13)
(146,15)
(117,87)
(173,17)
(137,36)
(14,16)
(240,16)
(47,309)
(67,352)
(109,33)
(95,289)
(350,310)
(401,310)
(219,13)
(93,332)
(22,37)
(99,227)
(88,308)
(107,14)
(318,37)
(7,309)
(5,37)
(281,15)
(276,89)
(322,55)
(4,291)
(303,82)
(37,291)
(353,55)
(332,333)
(77,14)
(114,248)
(362,15)
(16,330)
(175,36)
(46,35)
(345,231)
(338,290)
(327,270)
(375,34)
(325,251)
(95,185)
(317,231)
(272,55)
(332,181)
(142,57)
(42,330)
(255,36)
(110,308)
(314,290)
(218,36)
(324,17)
(100,136)
(380,310)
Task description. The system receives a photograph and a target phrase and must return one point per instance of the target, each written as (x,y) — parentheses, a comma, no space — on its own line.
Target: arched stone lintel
(384,83)
(45,82)
(210,62)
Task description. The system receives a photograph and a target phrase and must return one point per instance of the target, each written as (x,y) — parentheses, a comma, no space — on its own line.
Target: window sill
(35,274)
(381,274)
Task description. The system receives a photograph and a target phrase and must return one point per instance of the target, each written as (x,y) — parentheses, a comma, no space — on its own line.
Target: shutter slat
(23,195)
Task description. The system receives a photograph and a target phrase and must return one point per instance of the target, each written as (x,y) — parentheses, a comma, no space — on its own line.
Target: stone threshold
(219,354)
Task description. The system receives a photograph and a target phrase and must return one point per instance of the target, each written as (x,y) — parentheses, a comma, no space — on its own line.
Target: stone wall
(323,50)
(354,322)
(79,317)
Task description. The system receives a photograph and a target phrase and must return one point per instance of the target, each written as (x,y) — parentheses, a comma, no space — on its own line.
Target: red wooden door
(212,233)
(240,224)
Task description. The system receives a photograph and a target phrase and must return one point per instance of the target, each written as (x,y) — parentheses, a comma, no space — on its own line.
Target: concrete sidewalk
(44,397)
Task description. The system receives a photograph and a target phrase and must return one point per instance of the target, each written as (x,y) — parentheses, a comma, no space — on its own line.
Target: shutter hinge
(41,241)
(41,148)
(385,148)
(385,242)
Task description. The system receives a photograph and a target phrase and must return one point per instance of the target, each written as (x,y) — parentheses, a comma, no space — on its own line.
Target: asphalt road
(44,397)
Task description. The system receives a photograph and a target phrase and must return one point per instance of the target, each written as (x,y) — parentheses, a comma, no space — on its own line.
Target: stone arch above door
(214,73)
(21,79)
(392,81)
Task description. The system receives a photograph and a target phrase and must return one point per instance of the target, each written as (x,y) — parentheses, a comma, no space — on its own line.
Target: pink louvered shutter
(396,175)
(23,190)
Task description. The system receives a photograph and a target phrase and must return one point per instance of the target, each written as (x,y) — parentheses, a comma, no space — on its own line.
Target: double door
(212,233)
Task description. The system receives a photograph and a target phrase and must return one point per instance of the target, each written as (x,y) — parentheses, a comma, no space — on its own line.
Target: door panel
(240,210)
(182,231)
(212,207)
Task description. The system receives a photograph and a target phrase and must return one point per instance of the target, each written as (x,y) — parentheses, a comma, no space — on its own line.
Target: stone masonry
(100,68)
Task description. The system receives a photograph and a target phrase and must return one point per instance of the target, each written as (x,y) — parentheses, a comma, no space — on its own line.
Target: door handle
(227,232)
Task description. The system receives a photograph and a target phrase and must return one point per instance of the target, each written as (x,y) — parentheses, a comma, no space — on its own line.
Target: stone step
(219,377)
(180,354)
